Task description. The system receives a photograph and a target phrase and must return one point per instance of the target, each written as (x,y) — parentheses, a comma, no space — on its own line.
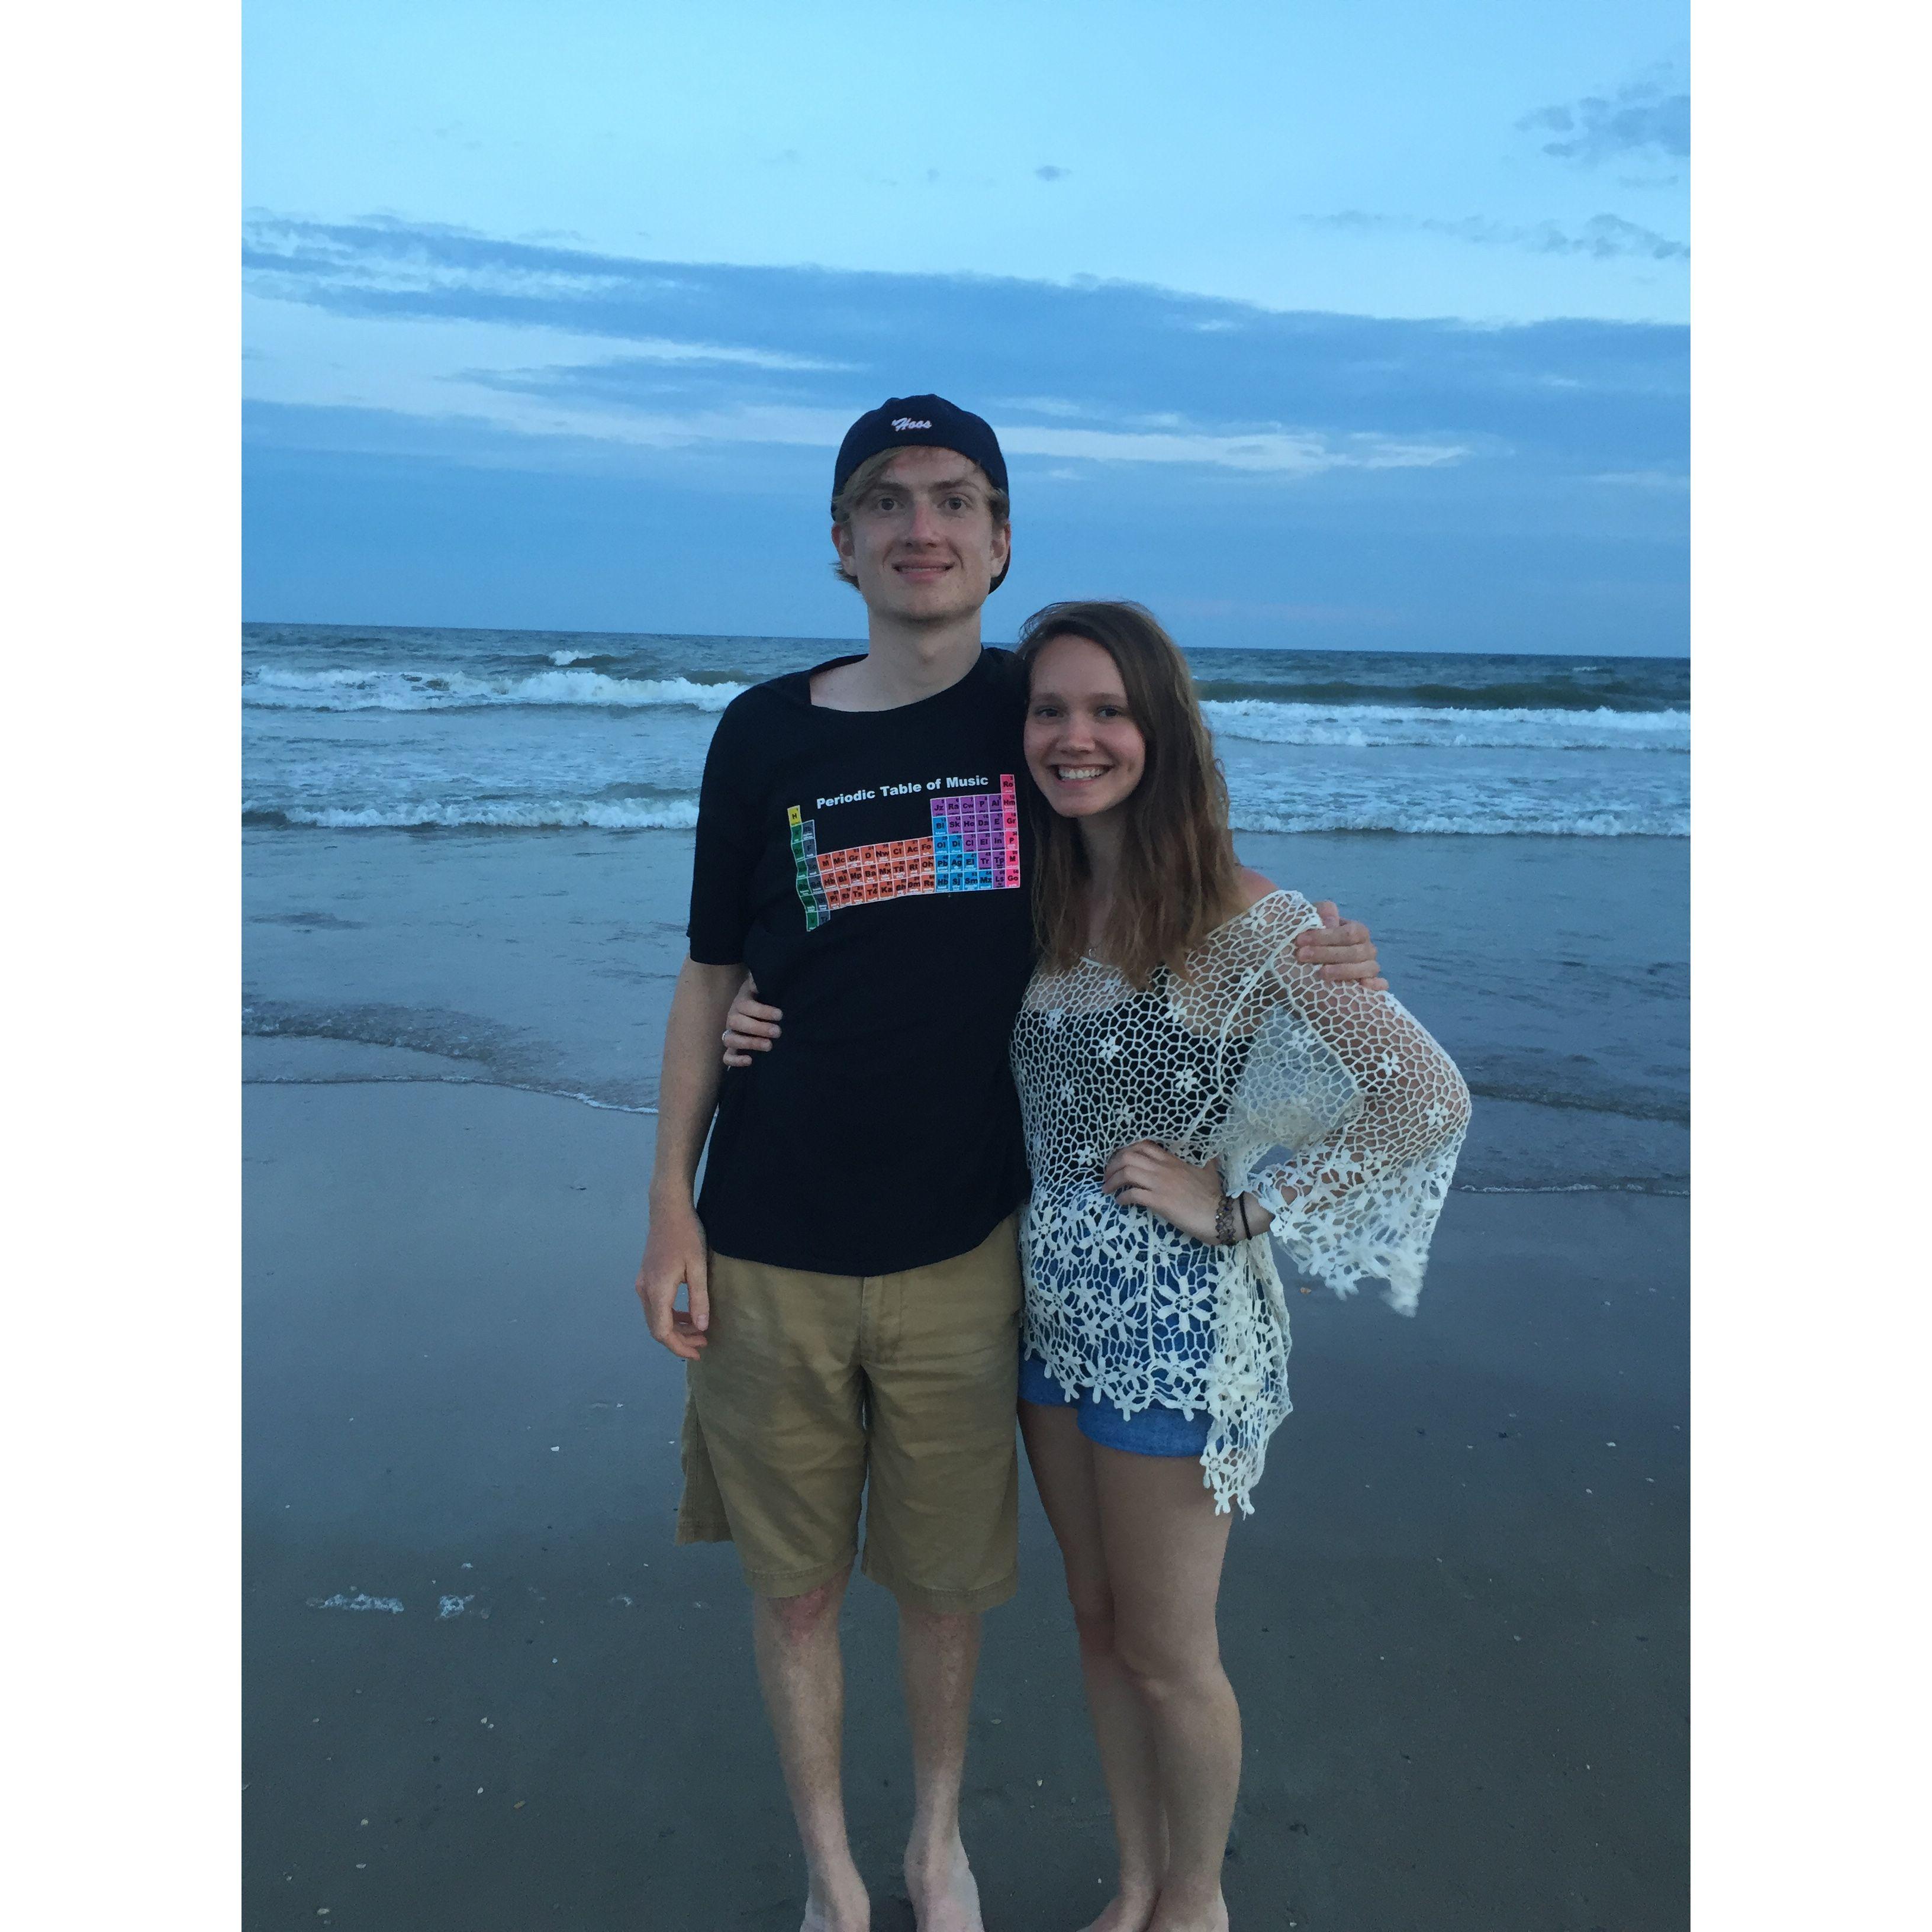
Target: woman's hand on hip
(1144,1174)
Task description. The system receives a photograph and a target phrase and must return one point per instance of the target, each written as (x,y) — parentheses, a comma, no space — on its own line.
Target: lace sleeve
(1372,1112)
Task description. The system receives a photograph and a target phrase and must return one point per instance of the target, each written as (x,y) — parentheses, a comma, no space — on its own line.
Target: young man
(851,1274)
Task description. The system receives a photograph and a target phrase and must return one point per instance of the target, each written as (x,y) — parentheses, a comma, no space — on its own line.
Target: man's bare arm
(674,1249)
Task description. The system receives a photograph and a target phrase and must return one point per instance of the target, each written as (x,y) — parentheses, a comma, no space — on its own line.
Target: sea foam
(1360,726)
(275,688)
(552,814)
(1360,817)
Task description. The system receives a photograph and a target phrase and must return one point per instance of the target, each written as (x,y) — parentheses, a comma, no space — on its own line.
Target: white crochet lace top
(1247,1055)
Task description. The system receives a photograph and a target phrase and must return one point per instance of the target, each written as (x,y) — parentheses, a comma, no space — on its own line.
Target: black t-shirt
(872,870)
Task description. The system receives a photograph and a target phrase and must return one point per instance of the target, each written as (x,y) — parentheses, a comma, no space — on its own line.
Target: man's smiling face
(921,542)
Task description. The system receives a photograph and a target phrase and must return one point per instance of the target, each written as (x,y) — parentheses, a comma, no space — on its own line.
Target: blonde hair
(1179,876)
(869,473)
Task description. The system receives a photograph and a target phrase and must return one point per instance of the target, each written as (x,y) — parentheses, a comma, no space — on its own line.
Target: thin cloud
(1603,237)
(1038,406)
(1643,479)
(1288,614)
(646,349)
(1644,119)
(1287,452)
(623,401)
(540,412)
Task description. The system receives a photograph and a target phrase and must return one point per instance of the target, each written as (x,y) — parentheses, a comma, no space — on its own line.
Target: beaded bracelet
(1225,1236)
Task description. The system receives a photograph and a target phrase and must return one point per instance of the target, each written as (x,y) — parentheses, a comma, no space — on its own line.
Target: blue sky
(1355,325)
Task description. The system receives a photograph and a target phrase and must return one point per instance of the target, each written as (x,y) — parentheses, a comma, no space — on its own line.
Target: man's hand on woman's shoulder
(1341,948)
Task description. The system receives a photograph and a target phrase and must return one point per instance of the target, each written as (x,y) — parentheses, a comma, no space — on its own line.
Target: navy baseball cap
(900,420)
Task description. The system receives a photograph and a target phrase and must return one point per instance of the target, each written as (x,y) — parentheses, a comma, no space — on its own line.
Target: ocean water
(347,727)
(467,859)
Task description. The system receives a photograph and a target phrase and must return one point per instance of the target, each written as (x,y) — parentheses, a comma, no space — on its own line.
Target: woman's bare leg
(1063,1468)
(1164,1545)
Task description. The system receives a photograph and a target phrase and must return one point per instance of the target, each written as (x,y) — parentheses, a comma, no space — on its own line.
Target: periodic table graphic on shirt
(974,847)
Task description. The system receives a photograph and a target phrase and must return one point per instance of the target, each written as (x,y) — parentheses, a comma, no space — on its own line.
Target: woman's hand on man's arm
(750,1027)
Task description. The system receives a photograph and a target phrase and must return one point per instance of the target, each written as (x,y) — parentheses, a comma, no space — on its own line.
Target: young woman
(1169,1044)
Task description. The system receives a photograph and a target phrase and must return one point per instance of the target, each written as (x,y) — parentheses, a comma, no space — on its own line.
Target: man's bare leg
(938,1654)
(797,1642)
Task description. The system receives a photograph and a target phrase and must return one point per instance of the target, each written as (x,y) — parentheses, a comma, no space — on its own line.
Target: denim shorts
(1157,1430)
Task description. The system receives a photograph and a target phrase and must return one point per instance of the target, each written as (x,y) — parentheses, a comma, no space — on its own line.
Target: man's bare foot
(945,1897)
(1126,1911)
(838,1905)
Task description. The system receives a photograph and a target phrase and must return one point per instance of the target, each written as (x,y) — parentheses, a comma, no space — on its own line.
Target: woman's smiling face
(1086,753)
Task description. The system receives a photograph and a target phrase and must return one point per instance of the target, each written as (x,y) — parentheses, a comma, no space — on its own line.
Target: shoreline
(1554,971)
(358,1071)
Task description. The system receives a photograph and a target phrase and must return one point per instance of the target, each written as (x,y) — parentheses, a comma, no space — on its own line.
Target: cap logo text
(909,422)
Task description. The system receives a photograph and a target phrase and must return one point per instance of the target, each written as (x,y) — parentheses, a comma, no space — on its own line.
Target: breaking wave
(568,814)
(1361,726)
(1478,822)
(388,689)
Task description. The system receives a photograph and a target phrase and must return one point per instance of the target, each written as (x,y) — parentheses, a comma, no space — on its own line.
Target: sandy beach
(1457,1621)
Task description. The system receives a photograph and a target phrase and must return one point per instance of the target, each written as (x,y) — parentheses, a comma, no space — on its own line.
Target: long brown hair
(1178,873)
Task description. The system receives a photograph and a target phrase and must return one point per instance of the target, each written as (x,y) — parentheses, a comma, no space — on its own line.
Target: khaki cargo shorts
(817,1390)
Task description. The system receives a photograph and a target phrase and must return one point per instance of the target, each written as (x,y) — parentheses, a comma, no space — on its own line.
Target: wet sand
(1456,1623)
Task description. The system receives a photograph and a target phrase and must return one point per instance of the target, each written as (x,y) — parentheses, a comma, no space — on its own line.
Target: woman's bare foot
(945,1896)
(838,1904)
(1169,1916)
